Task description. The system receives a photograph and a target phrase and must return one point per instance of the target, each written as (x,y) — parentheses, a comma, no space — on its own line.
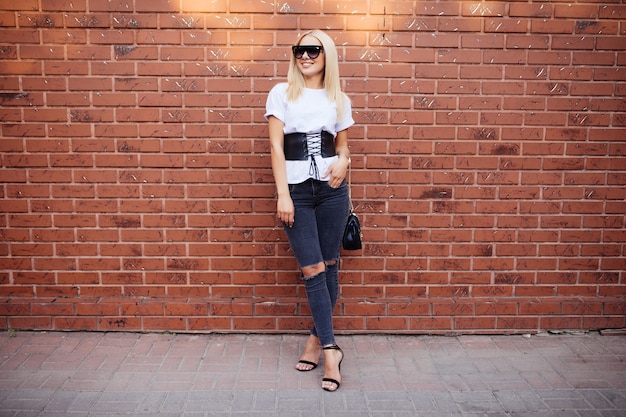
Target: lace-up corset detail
(314,146)
(308,146)
(314,143)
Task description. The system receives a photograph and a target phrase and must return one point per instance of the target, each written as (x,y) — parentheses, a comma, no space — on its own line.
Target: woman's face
(311,67)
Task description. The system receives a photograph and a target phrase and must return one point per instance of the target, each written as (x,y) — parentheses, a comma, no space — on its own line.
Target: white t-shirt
(311,113)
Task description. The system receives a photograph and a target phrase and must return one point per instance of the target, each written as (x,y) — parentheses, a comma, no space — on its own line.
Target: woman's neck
(314,83)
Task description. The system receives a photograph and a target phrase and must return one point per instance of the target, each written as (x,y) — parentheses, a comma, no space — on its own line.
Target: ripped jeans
(321,213)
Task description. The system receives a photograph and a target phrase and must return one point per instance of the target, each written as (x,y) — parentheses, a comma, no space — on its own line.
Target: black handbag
(352,235)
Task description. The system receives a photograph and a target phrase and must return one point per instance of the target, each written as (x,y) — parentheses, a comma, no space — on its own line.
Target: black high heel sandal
(313,365)
(334,381)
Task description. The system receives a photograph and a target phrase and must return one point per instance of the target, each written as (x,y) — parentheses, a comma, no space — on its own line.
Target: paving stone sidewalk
(132,374)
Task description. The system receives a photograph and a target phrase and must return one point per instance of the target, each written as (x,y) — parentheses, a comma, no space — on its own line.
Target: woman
(308,120)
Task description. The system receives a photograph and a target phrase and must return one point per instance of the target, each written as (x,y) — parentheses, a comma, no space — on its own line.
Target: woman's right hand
(285,210)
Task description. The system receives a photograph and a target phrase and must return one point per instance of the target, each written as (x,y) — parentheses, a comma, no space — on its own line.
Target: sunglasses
(312,51)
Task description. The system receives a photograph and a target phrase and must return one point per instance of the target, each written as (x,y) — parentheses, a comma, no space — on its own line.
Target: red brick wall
(488,165)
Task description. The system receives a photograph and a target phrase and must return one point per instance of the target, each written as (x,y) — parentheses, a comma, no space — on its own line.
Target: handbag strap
(350,185)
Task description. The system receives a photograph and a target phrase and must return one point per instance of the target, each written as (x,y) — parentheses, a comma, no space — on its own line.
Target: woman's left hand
(336,173)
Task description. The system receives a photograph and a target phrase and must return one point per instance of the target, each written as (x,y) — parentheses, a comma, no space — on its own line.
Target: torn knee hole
(312,270)
(309,276)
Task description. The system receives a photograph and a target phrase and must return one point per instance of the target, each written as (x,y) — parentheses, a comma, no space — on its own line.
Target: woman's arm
(337,170)
(285,210)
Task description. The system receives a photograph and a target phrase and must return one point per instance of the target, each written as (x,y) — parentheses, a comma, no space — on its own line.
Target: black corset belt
(296,148)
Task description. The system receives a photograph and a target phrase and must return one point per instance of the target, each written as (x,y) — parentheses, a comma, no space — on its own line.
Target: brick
(186,21)
(504,57)
(499,25)
(112,68)
(576,11)
(40,52)
(74,323)
(607,43)
(64,291)
(553,58)
(573,42)
(482,41)
(203,6)
(69,99)
(519,323)
(483,9)
(209,323)
(26,5)
(593,58)
(64,36)
(118,323)
(82,20)
(461,56)
(455,24)
(60,309)
(478,323)
(597,27)
(30,323)
(40,20)
(552,26)
(7,19)
(520,9)
(429,324)
(527,42)
(19,36)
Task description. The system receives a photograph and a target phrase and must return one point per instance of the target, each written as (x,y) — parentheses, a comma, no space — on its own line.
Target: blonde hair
(295,80)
